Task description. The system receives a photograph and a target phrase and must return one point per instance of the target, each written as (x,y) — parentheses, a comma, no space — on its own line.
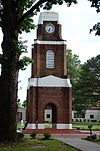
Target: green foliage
(84,125)
(96,27)
(23,14)
(73,70)
(16,16)
(24,5)
(27,25)
(20,135)
(95,3)
(92,137)
(33,134)
(20,126)
(24,104)
(31,7)
(73,66)
(37,145)
(22,48)
(47,135)
(25,61)
(48,5)
(90,128)
(88,85)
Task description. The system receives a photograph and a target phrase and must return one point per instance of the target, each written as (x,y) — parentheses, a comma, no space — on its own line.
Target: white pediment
(49,81)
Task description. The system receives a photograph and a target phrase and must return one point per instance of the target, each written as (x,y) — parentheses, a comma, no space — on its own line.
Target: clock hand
(49,29)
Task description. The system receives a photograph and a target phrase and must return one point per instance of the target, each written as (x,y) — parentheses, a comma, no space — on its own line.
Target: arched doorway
(50,115)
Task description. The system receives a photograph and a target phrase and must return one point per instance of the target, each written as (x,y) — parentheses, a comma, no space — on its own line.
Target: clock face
(50,28)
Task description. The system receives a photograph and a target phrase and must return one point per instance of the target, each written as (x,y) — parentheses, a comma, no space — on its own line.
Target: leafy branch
(96,27)
(48,5)
(24,62)
(22,48)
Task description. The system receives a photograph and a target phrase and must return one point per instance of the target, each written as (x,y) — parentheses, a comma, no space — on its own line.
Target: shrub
(33,134)
(88,138)
(20,135)
(84,120)
(76,120)
(47,135)
(78,128)
(94,137)
(90,128)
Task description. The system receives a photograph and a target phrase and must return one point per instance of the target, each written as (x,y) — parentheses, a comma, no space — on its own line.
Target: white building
(89,116)
(21,114)
(92,115)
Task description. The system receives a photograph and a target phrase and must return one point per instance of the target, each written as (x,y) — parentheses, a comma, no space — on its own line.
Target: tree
(15,17)
(73,70)
(73,66)
(96,27)
(88,85)
(24,104)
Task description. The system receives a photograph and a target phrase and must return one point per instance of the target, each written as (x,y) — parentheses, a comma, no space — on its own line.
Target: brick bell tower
(49,90)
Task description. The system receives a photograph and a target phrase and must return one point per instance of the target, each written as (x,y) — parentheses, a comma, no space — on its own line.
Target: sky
(76,22)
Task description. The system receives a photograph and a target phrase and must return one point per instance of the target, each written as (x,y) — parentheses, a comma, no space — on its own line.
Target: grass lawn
(20,125)
(98,142)
(75,125)
(37,145)
(84,125)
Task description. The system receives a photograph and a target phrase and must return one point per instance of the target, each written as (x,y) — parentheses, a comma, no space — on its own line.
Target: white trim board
(49,81)
(31,126)
(64,126)
(42,126)
(41,42)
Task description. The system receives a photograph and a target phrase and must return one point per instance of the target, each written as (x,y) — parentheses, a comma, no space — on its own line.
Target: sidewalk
(70,137)
(80,144)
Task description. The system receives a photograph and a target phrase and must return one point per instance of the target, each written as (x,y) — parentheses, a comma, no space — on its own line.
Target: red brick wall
(60,97)
(38,98)
(39,55)
(43,35)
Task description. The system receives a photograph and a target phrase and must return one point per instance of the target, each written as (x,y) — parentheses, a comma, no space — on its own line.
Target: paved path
(70,137)
(79,143)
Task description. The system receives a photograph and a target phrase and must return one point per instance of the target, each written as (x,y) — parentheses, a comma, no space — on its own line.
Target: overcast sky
(76,22)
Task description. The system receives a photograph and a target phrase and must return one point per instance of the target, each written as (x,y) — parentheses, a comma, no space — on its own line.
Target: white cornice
(49,81)
(48,16)
(50,42)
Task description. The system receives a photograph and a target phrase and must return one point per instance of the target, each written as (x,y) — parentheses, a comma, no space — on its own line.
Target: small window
(48,115)
(91,116)
(75,115)
(49,59)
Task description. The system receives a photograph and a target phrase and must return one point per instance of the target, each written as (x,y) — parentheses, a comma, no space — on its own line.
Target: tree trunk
(9,73)
(8,90)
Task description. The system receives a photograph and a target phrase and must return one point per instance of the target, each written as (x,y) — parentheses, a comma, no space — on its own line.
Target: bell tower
(49,90)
